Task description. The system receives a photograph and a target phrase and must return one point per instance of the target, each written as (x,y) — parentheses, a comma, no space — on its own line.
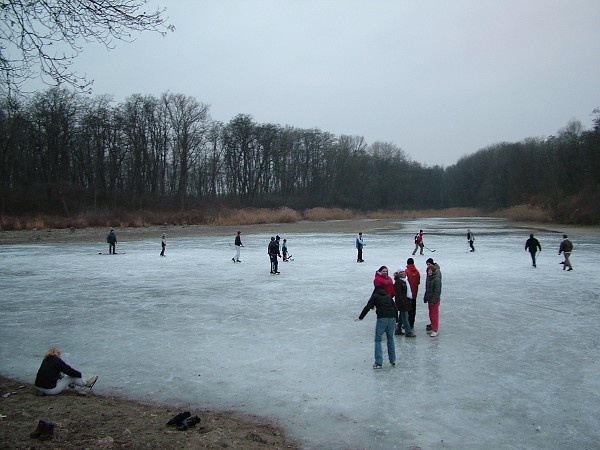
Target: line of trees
(67,153)
(560,174)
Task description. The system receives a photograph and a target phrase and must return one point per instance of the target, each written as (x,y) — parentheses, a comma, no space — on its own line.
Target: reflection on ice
(518,347)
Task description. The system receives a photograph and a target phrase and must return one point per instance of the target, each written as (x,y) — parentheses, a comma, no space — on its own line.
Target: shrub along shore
(248,216)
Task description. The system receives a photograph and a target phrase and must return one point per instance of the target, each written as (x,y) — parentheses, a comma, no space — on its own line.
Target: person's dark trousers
(471,245)
(112,249)
(532,258)
(359,257)
(274,264)
(412,313)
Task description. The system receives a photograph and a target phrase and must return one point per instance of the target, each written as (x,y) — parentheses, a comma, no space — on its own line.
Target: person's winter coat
(414,279)
(274,248)
(386,282)
(50,372)
(533,245)
(565,246)
(402,300)
(433,286)
(382,302)
(111,238)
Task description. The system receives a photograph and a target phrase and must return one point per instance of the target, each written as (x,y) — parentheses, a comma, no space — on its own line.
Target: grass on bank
(249,216)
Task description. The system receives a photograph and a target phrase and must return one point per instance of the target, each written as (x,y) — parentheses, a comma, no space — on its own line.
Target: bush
(321,214)
(527,213)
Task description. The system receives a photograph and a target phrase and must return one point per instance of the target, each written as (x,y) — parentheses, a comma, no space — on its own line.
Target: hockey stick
(432,251)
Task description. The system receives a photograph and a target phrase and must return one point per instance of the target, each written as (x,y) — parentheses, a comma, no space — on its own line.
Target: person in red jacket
(419,242)
(55,375)
(414,279)
(382,278)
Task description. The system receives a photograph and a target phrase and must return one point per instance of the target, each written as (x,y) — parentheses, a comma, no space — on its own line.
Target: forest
(66,153)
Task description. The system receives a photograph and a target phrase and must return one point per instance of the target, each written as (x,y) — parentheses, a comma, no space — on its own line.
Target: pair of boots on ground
(184,420)
(44,431)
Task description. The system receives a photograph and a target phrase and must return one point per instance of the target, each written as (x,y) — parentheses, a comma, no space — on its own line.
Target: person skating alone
(419,244)
(414,280)
(163,244)
(238,246)
(360,243)
(533,245)
(566,247)
(471,239)
(387,314)
(403,304)
(433,293)
(54,375)
(111,239)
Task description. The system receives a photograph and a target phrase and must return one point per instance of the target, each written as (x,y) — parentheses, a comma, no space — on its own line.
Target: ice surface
(518,347)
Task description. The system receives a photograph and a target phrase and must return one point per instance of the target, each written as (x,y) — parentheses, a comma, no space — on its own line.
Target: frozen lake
(516,363)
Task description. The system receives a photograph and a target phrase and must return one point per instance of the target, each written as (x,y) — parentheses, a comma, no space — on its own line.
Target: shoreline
(98,421)
(353,226)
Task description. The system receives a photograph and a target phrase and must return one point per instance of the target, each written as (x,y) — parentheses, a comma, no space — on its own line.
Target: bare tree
(44,37)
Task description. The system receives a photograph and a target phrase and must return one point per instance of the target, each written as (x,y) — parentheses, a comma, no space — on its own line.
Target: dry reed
(526,213)
(322,214)
(250,216)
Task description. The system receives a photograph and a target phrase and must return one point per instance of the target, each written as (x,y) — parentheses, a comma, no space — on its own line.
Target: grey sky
(440,79)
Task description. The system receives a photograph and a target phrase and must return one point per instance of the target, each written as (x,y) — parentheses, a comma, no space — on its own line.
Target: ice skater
(54,375)
(382,278)
(274,253)
(433,293)
(419,244)
(387,315)
(360,243)
(471,239)
(238,247)
(414,280)
(403,304)
(111,240)
(163,244)
(566,247)
(284,251)
(533,245)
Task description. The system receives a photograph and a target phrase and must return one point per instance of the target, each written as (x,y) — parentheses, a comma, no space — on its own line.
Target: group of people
(419,244)
(395,303)
(395,300)
(274,251)
(532,245)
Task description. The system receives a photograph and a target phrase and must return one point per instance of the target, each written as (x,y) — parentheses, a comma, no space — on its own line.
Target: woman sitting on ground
(54,375)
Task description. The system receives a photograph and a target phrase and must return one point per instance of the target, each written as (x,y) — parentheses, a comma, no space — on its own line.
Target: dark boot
(38,431)
(179,418)
(188,423)
(47,432)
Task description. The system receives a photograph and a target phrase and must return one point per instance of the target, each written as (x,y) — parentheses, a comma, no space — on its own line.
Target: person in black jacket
(238,246)
(274,253)
(163,244)
(403,303)
(111,240)
(533,245)
(54,375)
(387,314)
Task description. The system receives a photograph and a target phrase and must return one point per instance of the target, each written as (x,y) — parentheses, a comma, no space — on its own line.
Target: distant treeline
(66,153)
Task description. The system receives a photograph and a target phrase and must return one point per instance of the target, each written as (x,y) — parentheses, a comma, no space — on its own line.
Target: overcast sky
(438,78)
